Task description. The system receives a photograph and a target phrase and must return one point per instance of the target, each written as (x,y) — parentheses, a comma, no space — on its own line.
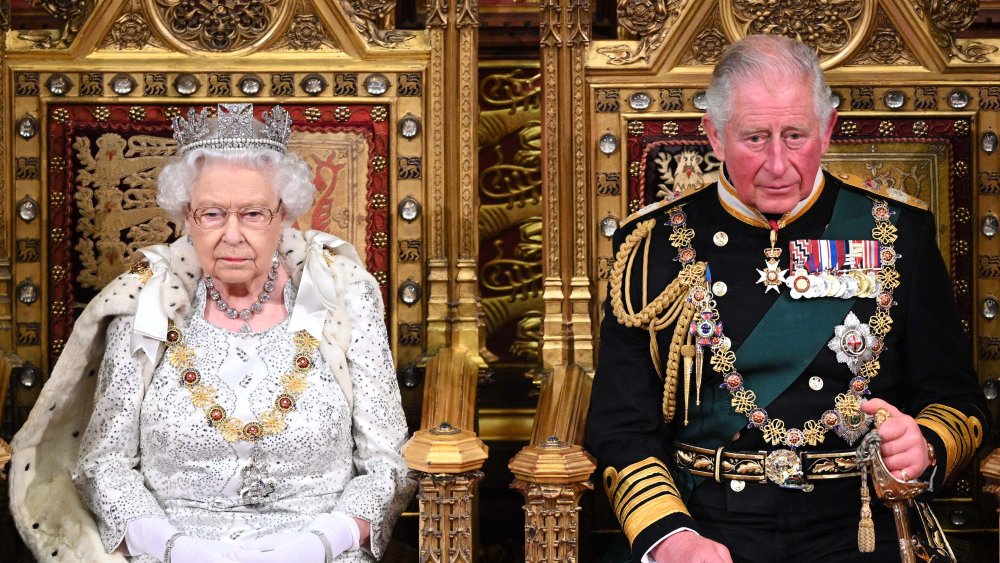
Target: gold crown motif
(233,128)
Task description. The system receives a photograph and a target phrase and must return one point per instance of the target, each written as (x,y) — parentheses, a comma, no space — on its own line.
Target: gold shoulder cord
(669,307)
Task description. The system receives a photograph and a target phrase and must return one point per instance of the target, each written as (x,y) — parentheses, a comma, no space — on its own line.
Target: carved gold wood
(552,477)
(709,45)
(445,462)
(837,28)
(833,28)
(947,18)
(562,405)
(647,20)
(453,305)
(131,30)
(884,46)
(551,533)
(445,529)
(552,473)
(71,12)
(565,40)
(450,388)
(370,18)
(216,25)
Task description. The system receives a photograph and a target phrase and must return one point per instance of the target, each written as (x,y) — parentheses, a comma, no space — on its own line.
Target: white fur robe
(49,513)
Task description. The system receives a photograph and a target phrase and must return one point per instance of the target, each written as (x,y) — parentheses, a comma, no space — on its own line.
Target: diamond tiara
(233,128)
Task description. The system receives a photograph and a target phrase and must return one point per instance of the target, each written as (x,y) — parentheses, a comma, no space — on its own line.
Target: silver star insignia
(853,342)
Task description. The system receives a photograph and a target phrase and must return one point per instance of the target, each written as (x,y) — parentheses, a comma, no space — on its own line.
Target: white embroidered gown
(157,455)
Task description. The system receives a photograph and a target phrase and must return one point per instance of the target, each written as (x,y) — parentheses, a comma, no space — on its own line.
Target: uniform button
(720,238)
(815,383)
(719,288)
(736,485)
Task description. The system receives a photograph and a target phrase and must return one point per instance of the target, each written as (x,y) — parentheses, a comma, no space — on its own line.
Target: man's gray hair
(763,57)
(289,174)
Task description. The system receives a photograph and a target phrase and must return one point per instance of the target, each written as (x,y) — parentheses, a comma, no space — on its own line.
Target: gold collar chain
(205,397)
(707,330)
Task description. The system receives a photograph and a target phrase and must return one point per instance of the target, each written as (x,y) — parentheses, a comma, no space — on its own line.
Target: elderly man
(754,326)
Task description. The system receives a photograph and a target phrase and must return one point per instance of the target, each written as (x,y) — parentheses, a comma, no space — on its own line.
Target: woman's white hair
(762,57)
(289,174)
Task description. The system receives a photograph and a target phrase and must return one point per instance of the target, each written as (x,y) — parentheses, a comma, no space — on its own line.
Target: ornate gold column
(445,462)
(453,302)
(446,455)
(567,330)
(552,476)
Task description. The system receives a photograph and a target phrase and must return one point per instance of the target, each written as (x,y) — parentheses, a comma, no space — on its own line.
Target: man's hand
(904,448)
(689,547)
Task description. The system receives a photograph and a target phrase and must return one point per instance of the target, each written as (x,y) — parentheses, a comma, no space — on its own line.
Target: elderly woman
(246,407)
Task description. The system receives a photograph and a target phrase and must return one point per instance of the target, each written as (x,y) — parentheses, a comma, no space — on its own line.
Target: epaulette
(875,188)
(673,197)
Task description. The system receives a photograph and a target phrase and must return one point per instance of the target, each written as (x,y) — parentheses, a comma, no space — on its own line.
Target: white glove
(150,536)
(339,534)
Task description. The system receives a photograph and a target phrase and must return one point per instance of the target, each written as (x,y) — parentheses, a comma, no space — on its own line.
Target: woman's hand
(904,449)
(156,536)
(689,547)
(189,549)
(301,547)
(332,533)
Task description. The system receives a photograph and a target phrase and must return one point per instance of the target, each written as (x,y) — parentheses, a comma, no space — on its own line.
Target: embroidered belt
(762,466)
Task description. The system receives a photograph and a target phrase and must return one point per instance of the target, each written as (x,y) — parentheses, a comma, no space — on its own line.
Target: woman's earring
(191,242)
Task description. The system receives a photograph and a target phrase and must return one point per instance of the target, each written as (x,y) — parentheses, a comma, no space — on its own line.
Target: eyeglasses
(255,218)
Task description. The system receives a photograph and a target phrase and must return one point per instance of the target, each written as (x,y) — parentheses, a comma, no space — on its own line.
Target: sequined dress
(323,461)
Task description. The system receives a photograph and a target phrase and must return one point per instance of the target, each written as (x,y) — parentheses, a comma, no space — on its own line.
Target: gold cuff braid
(641,494)
(961,434)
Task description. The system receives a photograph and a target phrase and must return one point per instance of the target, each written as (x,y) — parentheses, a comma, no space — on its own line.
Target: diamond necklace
(258,305)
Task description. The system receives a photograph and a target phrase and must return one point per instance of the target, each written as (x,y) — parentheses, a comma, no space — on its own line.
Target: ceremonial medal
(772,276)
(256,482)
(853,342)
(719,288)
(842,269)
(853,426)
(857,345)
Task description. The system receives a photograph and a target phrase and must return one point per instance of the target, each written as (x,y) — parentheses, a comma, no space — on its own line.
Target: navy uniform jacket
(925,367)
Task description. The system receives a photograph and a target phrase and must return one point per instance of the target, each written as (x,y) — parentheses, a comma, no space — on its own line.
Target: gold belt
(783,467)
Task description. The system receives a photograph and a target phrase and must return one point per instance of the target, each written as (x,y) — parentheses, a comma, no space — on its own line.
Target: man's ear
(714,137)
